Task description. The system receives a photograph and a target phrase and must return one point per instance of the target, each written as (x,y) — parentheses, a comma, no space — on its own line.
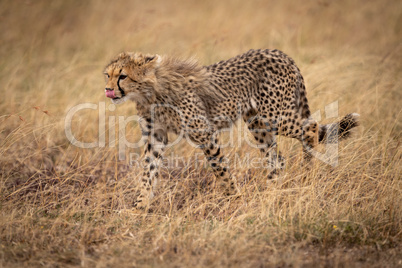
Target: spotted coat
(263,87)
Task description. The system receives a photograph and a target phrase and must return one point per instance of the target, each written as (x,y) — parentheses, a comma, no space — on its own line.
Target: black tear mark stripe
(120,89)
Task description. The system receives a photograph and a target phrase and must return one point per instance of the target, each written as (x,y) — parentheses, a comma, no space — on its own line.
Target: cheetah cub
(263,87)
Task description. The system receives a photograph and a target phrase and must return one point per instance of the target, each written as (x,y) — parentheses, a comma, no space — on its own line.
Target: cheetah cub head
(131,76)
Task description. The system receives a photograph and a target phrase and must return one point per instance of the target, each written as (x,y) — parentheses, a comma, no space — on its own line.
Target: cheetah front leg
(213,153)
(214,156)
(156,140)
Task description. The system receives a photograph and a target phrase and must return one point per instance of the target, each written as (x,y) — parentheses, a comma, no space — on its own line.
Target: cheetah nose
(110,93)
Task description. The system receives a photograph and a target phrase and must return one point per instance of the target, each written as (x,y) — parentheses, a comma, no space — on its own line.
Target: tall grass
(61,205)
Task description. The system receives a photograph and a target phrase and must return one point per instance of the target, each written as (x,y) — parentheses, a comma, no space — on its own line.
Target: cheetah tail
(330,133)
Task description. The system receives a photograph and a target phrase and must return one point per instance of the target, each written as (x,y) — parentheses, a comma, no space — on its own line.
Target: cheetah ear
(151,63)
(153,60)
(149,58)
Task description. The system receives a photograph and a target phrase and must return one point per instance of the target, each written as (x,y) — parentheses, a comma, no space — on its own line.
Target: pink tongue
(110,94)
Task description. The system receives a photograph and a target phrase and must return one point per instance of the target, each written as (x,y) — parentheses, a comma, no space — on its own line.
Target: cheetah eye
(122,77)
(107,75)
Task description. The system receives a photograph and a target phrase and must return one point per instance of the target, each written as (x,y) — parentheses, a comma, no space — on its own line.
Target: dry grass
(65,206)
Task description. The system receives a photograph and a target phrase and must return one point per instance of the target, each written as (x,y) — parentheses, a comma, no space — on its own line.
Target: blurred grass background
(65,206)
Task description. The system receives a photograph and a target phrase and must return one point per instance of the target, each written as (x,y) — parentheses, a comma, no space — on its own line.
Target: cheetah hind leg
(266,139)
(276,162)
(309,138)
